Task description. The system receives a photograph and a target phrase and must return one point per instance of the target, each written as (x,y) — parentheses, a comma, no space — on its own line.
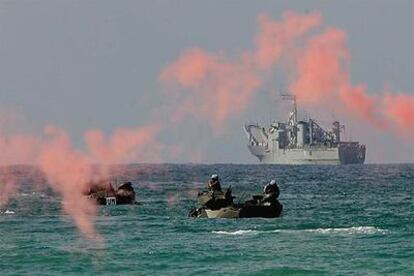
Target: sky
(84,65)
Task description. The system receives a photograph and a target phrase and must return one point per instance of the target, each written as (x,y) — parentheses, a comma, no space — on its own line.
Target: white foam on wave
(235,233)
(243,232)
(7,212)
(363,230)
(368,230)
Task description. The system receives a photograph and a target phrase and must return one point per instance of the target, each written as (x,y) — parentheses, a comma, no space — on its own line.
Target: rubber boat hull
(270,211)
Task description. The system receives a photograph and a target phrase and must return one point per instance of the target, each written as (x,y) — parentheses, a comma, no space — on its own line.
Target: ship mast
(294,113)
(293,119)
(295,109)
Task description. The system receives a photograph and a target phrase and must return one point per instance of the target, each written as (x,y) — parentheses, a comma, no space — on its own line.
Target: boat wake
(356,230)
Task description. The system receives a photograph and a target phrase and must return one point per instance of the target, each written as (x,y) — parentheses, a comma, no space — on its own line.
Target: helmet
(272,182)
(214,177)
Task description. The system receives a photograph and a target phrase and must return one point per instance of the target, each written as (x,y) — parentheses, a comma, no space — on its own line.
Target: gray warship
(302,142)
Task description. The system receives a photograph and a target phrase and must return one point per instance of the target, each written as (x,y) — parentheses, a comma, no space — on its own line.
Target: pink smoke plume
(274,37)
(217,88)
(124,145)
(399,109)
(15,149)
(321,67)
(7,186)
(365,106)
(322,77)
(172,199)
(68,170)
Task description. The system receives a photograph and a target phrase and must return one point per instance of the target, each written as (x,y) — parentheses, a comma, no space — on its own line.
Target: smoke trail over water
(68,172)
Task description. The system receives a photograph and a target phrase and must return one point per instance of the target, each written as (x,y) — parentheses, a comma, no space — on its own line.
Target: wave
(367,230)
(7,212)
(238,232)
(350,230)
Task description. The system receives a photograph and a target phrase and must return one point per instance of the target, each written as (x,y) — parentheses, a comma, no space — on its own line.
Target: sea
(337,220)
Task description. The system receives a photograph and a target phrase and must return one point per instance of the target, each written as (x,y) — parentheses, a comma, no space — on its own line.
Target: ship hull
(345,153)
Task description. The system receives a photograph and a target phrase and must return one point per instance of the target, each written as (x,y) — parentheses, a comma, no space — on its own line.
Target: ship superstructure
(302,142)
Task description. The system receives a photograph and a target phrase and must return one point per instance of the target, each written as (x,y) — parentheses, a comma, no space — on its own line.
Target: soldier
(214,183)
(271,191)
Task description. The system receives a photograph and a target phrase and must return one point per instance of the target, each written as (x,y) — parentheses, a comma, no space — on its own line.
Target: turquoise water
(336,220)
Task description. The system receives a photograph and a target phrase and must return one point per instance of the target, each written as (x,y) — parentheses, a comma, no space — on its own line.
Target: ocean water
(336,220)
